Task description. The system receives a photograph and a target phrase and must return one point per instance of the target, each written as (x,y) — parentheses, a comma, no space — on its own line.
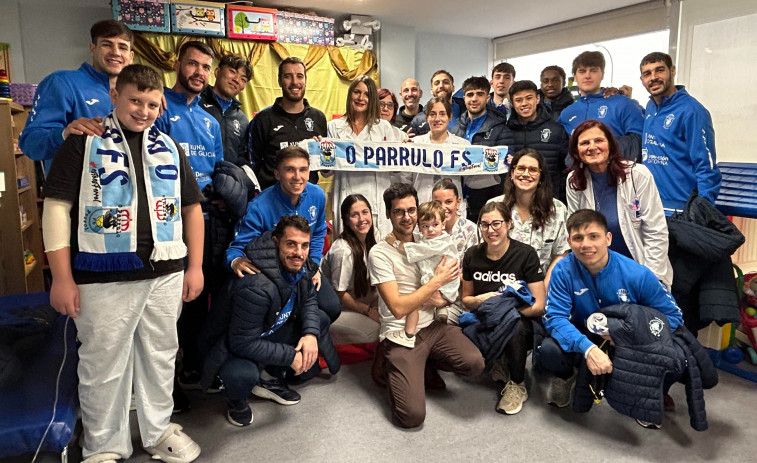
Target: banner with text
(346,155)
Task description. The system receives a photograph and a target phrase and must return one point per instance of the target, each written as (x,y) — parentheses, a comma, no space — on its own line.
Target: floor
(346,419)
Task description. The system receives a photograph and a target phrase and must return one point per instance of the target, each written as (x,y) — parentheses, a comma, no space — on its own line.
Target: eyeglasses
(520,170)
(400,213)
(384,104)
(495,225)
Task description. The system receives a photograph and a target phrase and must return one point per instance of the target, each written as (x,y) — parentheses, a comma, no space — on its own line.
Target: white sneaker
(560,392)
(513,396)
(401,338)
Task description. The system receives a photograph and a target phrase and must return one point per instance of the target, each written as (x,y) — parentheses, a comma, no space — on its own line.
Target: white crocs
(174,446)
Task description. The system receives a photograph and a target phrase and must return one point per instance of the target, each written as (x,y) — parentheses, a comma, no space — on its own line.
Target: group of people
(147,255)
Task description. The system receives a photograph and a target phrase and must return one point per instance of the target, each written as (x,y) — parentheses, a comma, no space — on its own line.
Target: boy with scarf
(117,207)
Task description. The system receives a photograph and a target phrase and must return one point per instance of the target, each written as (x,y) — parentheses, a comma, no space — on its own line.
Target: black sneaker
(180,400)
(239,413)
(277,391)
(190,380)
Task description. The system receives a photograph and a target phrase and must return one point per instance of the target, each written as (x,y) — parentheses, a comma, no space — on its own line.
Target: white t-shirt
(385,263)
(337,266)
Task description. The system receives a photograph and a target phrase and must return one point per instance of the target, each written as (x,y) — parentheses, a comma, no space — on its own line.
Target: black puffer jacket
(646,357)
(549,138)
(563,100)
(702,241)
(250,305)
(233,126)
(493,132)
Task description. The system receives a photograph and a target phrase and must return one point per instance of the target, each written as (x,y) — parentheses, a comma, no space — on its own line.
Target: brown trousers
(402,369)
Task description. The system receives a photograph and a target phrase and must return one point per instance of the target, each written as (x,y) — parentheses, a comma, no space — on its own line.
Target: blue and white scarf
(107,229)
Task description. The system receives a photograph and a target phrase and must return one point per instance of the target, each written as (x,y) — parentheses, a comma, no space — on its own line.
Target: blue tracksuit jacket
(61,98)
(195,130)
(264,212)
(622,114)
(574,294)
(678,147)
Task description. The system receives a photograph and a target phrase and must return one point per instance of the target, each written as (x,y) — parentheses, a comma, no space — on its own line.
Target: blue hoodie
(574,294)
(195,130)
(622,114)
(61,98)
(678,147)
(264,212)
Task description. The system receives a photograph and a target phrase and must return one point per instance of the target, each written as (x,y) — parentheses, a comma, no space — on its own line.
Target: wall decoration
(143,15)
(304,29)
(199,18)
(251,23)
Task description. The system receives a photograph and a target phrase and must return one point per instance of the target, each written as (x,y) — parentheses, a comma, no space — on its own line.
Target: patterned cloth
(464,235)
(549,240)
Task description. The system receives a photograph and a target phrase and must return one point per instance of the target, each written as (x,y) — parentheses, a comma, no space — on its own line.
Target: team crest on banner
(545,133)
(107,220)
(602,111)
(328,154)
(167,209)
(309,124)
(668,121)
(491,159)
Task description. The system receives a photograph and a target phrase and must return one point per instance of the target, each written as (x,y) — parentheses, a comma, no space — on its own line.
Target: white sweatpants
(128,337)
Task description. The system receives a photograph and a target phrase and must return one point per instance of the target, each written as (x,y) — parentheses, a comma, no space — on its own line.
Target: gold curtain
(328,79)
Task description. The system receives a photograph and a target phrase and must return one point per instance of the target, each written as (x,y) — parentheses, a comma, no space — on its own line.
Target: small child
(117,206)
(427,253)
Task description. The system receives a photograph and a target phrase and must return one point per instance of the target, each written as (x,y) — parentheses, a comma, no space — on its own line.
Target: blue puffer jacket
(249,306)
(495,321)
(647,355)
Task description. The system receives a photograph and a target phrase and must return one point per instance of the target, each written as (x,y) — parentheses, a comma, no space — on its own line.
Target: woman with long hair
(362,122)
(488,268)
(601,179)
(388,105)
(538,218)
(345,266)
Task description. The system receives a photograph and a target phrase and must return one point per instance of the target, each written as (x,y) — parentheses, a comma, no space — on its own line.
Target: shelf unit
(16,237)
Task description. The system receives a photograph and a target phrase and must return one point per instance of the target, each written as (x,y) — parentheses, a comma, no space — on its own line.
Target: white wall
(405,52)
(48,35)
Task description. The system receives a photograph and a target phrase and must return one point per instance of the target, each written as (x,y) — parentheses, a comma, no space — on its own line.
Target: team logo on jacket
(207,124)
(488,134)
(644,155)
(491,159)
(328,159)
(313,211)
(656,326)
(545,133)
(623,295)
(309,124)
(237,127)
(602,111)
(668,121)
(167,209)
